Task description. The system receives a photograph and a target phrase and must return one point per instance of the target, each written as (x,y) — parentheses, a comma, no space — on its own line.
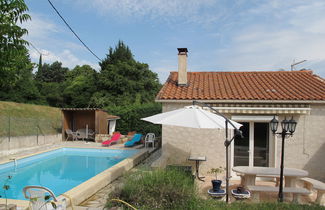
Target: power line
(35,48)
(73,31)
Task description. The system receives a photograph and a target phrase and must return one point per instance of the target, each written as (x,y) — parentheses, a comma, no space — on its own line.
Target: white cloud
(281,33)
(66,57)
(44,35)
(164,10)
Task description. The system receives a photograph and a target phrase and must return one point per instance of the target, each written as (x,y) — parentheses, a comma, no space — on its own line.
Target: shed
(98,120)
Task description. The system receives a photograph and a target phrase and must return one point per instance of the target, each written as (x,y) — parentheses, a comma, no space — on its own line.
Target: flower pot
(216,185)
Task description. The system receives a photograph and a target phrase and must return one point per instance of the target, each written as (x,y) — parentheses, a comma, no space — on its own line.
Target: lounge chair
(42,198)
(71,134)
(114,139)
(150,138)
(136,138)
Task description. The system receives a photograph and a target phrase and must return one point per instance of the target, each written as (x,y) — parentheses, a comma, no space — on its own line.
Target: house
(98,120)
(251,98)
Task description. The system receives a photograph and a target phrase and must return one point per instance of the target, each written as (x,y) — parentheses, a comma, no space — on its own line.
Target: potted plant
(216,183)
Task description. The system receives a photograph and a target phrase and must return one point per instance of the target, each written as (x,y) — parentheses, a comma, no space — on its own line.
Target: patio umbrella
(196,117)
(192,117)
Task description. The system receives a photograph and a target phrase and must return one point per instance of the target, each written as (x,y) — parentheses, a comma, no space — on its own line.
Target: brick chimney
(182,66)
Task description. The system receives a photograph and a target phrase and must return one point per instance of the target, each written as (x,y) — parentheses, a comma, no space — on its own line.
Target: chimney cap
(182,50)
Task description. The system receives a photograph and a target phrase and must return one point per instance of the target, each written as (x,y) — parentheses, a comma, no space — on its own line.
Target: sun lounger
(113,140)
(136,138)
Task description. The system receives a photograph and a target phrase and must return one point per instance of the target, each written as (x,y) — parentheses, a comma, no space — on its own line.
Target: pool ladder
(15,161)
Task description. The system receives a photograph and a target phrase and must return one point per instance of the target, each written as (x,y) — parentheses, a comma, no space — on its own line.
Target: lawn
(27,119)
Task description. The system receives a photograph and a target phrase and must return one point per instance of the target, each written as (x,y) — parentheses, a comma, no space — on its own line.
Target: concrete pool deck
(86,189)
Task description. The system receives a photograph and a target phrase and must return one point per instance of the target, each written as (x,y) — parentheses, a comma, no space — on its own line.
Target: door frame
(251,119)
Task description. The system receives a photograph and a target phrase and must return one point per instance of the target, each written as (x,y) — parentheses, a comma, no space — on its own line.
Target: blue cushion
(136,138)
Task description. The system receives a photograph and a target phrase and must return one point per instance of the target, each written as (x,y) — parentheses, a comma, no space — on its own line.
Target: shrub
(159,189)
(174,189)
(131,117)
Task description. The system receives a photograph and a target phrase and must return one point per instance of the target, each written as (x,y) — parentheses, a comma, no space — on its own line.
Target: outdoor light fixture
(274,125)
(292,125)
(288,128)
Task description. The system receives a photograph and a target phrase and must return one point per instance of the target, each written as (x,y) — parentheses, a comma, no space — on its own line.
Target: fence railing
(13,127)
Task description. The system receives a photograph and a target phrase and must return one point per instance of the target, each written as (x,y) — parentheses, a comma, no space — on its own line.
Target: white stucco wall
(178,143)
(305,150)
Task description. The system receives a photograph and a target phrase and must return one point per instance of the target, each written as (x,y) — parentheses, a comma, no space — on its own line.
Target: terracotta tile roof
(261,85)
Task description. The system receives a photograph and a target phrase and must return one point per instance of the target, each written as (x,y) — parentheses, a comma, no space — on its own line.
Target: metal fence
(13,127)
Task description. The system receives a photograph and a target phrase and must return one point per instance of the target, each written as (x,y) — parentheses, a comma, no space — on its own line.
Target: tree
(11,42)
(122,80)
(50,79)
(23,89)
(81,85)
(51,72)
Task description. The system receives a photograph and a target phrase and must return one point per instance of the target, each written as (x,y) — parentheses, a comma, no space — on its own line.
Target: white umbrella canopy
(192,117)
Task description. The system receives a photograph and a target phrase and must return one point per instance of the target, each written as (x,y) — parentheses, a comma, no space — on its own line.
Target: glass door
(261,144)
(253,149)
(241,149)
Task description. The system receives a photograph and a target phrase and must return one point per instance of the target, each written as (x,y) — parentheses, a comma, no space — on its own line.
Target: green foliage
(11,42)
(122,78)
(80,86)
(121,53)
(174,189)
(160,189)
(131,117)
(50,80)
(52,93)
(51,73)
(216,171)
(22,88)
(26,119)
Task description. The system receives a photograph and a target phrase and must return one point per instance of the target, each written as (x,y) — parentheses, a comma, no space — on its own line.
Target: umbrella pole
(227,166)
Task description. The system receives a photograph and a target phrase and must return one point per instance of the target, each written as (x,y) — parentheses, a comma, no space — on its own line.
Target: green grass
(27,119)
(175,189)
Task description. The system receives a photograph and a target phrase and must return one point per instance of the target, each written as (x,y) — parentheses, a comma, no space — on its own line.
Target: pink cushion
(114,138)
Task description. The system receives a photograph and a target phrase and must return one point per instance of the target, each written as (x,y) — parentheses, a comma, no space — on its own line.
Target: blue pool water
(59,170)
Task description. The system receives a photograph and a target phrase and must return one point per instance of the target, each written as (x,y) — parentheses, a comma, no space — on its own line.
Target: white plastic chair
(150,138)
(40,198)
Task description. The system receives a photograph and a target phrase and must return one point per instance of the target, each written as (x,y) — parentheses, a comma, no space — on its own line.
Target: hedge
(131,118)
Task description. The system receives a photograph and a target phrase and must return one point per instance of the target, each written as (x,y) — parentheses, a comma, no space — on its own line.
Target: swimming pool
(60,170)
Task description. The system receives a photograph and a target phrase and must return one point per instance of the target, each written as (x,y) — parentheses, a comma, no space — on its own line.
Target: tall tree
(51,72)
(23,89)
(123,80)
(12,44)
(50,80)
(81,85)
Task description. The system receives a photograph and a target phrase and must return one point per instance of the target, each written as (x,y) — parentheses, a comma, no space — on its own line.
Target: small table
(197,160)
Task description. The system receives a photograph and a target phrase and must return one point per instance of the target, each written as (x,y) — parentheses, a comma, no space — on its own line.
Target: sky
(221,35)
